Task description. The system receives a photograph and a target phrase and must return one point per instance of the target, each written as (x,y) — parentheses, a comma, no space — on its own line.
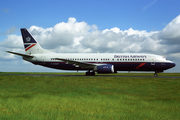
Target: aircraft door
(153,62)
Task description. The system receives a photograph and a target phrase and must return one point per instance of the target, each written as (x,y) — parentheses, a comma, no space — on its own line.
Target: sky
(88,26)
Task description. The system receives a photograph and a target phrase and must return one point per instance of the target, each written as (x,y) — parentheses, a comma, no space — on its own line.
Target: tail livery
(30,44)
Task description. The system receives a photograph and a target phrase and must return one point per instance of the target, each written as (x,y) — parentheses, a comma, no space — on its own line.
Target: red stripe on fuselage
(140,65)
(30,47)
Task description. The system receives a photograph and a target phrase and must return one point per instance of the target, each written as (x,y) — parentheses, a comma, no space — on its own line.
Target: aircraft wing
(77,64)
(23,55)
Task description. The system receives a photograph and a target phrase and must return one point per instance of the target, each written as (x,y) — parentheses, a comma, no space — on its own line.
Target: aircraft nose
(173,64)
(169,65)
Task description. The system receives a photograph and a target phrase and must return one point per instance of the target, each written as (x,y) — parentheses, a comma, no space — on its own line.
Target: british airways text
(130,56)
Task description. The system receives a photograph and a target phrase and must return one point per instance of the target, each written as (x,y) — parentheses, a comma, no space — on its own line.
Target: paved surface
(58,75)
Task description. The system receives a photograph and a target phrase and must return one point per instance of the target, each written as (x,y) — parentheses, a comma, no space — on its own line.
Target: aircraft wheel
(87,73)
(155,74)
(90,73)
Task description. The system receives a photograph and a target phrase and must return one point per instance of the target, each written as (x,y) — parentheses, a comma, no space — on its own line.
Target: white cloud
(115,30)
(12,41)
(171,33)
(79,37)
(77,41)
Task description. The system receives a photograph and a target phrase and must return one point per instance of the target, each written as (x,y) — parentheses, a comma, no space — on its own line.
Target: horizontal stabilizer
(23,55)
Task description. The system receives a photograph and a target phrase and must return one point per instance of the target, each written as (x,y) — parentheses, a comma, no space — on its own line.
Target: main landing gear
(155,74)
(90,73)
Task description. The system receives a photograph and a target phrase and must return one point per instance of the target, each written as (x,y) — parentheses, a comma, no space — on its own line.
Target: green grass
(58,98)
(83,73)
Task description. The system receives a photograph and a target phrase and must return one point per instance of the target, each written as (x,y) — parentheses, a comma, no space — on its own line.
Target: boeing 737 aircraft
(91,62)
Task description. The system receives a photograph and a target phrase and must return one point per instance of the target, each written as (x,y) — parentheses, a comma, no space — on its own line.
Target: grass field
(71,97)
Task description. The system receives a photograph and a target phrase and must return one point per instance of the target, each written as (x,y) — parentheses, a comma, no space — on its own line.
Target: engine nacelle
(105,69)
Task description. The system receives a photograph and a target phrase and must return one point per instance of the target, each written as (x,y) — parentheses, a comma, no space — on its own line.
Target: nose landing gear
(155,74)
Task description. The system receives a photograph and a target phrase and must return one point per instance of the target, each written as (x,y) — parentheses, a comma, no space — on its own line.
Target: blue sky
(137,14)
(140,15)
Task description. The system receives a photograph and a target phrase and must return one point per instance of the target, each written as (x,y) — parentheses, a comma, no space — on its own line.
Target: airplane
(91,62)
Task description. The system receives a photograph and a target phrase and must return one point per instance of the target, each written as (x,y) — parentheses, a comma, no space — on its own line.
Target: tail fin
(31,46)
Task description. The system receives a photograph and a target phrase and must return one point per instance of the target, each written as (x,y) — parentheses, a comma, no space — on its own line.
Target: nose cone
(173,65)
(168,65)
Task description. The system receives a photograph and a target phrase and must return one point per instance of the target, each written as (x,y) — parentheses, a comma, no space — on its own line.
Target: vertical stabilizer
(31,46)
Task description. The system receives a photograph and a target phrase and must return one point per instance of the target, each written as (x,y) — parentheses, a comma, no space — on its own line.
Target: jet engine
(105,68)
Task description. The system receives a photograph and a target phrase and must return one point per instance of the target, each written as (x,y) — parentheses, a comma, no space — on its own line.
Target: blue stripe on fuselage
(118,66)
